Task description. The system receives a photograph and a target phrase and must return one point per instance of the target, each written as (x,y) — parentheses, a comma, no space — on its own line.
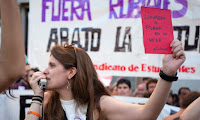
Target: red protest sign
(157,30)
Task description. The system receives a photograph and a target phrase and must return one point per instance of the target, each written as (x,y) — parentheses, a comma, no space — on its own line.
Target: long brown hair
(86,87)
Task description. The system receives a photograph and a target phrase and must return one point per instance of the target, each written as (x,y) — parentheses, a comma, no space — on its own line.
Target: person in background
(146,79)
(25,76)
(140,90)
(114,89)
(22,83)
(181,93)
(175,99)
(151,85)
(77,92)
(124,87)
(170,99)
(186,101)
(31,71)
(12,62)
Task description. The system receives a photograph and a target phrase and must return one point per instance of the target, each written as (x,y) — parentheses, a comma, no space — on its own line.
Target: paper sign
(157,30)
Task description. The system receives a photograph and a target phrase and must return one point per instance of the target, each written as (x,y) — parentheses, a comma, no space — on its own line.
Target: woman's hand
(172,62)
(34,82)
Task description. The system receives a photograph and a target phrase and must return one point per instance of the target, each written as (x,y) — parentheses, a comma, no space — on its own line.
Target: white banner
(17,108)
(111,33)
(166,111)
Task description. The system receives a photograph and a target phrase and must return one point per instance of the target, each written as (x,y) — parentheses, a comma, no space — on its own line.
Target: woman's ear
(72,72)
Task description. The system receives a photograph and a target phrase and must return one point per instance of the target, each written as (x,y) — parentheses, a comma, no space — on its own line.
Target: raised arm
(170,65)
(192,111)
(12,59)
(119,110)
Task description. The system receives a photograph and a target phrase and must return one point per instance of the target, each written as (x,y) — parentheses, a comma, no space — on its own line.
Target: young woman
(12,59)
(78,94)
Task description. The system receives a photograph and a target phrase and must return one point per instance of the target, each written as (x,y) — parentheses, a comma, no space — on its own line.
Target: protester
(124,87)
(22,83)
(146,79)
(175,99)
(12,62)
(31,71)
(114,90)
(140,90)
(181,93)
(75,88)
(170,99)
(151,85)
(27,67)
(186,101)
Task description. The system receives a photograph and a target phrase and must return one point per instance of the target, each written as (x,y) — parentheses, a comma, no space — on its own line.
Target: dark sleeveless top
(87,114)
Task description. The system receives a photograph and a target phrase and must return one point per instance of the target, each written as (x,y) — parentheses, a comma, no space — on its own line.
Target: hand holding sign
(157,30)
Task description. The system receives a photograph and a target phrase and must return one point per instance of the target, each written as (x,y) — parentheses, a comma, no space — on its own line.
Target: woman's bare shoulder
(114,108)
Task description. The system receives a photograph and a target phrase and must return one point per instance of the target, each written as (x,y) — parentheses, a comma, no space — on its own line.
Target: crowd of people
(74,89)
(122,87)
(183,99)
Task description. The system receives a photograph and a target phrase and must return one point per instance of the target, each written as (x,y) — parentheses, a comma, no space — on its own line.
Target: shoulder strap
(88,112)
(65,117)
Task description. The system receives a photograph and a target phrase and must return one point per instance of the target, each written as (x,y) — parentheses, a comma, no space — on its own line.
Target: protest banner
(111,33)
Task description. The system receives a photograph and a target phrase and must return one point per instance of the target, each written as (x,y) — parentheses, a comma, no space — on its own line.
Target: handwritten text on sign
(157,30)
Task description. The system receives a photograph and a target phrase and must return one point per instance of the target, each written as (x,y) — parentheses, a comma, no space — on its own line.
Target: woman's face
(56,75)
